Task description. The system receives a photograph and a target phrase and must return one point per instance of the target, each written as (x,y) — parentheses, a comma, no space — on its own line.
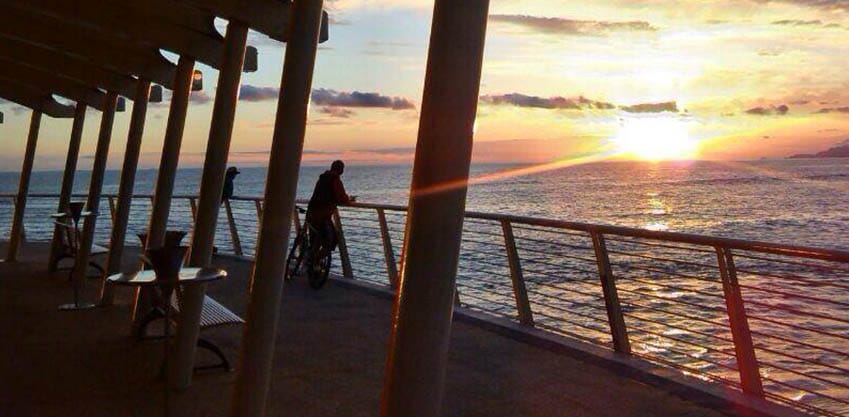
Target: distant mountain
(839,151)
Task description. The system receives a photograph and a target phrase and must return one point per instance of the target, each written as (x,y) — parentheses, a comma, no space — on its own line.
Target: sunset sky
(649,79)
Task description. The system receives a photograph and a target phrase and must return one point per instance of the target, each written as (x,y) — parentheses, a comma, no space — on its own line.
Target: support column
(212,183)
(16,234)
(68,179)
(421,328)
(170,152)
(218,145)
(254,372)
(121,214)
(94,189)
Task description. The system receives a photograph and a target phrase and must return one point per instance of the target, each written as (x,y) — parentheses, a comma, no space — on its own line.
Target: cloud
(339,112)
(820,4)
(797,22)
(669,106)
(576,103)
(254,93)
(769,111)
(522,100)
(333,98)
(833,110)
(199,97)
(572,27)
(807,23)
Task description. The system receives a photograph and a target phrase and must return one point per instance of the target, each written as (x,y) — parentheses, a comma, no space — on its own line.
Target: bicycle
(316,256)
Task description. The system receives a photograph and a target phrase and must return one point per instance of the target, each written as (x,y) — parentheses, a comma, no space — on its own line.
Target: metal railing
(768,319)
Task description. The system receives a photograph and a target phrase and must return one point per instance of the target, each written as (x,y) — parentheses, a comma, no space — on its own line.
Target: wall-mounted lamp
(155,94)
(251,59)
(197,80)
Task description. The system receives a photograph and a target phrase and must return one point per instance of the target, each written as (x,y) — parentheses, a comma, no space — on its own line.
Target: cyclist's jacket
(328,193)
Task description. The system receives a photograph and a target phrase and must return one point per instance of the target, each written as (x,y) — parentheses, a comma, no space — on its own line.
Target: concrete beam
(70,66)
(143,26)
(34,100)
(110,53)
(49,83)
(270,17)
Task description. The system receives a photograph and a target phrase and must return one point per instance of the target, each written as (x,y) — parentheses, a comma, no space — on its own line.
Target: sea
(671,295)
(798,201)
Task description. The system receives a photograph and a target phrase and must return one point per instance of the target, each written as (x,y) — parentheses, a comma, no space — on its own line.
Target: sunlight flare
(655,138)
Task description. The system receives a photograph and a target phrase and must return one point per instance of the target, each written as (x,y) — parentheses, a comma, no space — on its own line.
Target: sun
(655,138)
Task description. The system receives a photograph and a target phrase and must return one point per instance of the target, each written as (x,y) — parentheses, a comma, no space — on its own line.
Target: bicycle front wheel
(295,258)
(320,270)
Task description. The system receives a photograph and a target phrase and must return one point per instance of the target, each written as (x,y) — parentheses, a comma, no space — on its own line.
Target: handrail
(553,274)
(800,251)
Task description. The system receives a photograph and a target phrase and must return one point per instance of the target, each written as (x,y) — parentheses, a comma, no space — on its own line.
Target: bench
(213,314)
(70,240)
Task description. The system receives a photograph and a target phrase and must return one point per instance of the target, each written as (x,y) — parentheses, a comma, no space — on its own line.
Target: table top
(186,276)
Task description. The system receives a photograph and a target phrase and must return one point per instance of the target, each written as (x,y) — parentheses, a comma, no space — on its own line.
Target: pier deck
(329,359)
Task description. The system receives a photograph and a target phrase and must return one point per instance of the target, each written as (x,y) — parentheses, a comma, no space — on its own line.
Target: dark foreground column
(415,363)
(94,189)
(287,147)
(170,152)
(125,188)
(68,179)
(223,112)
(15,236)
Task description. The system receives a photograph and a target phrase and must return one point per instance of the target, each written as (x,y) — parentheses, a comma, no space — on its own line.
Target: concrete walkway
(329,360)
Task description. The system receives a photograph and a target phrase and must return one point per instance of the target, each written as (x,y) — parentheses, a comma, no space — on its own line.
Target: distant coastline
(839,151)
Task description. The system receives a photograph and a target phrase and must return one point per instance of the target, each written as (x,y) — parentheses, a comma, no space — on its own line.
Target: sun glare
(655,139)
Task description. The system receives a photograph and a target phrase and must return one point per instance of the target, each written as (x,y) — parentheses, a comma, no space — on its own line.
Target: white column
(94,189)
(68,177)
(125,188)
(223,112)
(287,146)
(15,236)
(421,328)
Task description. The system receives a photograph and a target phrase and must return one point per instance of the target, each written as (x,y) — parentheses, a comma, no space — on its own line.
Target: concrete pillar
(212,182)
(125,189)
(16,234)
(68,178)
(421,328)
(218,145)
(170,152)
(94,189)
(287,146)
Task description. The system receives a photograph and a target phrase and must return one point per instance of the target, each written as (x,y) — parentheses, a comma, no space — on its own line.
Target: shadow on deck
(329,359)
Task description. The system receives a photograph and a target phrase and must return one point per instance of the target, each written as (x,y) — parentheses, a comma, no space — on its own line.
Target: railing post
(520,293)
(234,234)
(388,252)
(111,209)
(296,219)
(258,204)
(744,348)
(618,330)
(194,207)
(347,272)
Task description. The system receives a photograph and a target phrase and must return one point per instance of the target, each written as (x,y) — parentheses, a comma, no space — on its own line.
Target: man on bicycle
(327,195)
